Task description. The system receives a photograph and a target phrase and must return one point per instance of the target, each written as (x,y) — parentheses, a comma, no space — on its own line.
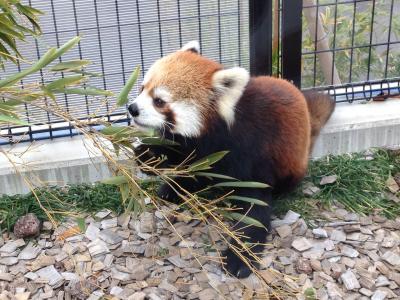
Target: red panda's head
(184,92)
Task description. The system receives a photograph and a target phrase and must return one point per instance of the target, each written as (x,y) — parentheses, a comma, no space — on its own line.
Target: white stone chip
(349,252)
(301,244)
(116,290)
(392,258)
(102,214)
(92,232)
(51,274)
(320,233)
(350,280)
(97,247)
(11,246)
(96,295)
(109,223)
(338,235)
(29,252)
(379,295)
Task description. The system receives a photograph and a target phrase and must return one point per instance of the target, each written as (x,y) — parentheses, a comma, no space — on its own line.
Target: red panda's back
(280,110)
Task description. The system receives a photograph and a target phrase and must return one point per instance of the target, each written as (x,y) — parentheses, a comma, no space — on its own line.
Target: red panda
(267,125)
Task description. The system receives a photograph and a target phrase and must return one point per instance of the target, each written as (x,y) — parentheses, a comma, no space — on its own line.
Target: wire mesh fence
(353,45)
(117,36)
(350,48)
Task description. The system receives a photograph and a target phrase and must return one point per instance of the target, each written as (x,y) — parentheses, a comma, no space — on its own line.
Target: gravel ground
(344,256)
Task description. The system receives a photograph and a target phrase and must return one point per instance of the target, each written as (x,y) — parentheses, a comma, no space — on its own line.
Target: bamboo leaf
(244,219)
(81,224)
(49,93)
(151,180)
(124,189)
(91,74)
(117,130)
(214,175)
(13,102)
(37,30)
(247,199)
(66,47)
(158,141)
(122,135)
(88,91)
(10,42)
(69,65)
(9,31)
(46,59)
(62,82)
(12,120)
(116,180)
(242,184)
(8,110)
(29,10)
(6,106)
(42,62)
(206,162)
(122,98)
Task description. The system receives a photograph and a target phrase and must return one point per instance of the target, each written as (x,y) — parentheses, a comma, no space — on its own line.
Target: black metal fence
(347,47)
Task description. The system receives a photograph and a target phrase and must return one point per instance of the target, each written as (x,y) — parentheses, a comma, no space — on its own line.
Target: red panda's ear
(192,46)
(229,85)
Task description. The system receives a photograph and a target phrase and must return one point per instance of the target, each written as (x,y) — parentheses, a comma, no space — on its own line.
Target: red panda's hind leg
(287,184)
(254,236)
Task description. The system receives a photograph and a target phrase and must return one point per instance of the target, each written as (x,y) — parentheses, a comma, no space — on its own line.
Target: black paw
(167,193)
(235,265)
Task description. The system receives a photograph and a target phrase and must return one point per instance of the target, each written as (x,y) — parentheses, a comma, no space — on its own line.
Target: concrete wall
(57,162)
(352,128)
(356,127)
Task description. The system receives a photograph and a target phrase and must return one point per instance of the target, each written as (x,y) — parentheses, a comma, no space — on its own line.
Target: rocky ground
(344,256)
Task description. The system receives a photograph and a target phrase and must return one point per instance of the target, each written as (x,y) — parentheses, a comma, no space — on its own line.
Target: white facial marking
(237,79)
(192,46)
(162,93)
(148,115)
(188,121)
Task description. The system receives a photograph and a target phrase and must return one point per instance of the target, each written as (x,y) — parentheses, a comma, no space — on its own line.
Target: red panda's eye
(158,102)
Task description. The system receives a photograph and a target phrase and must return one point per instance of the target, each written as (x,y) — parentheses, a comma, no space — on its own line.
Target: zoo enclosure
(357,40)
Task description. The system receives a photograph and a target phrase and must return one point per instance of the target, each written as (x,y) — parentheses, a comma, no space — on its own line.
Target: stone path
(344,256)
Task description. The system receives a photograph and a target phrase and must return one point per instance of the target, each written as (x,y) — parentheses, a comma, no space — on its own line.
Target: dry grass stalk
(206,210)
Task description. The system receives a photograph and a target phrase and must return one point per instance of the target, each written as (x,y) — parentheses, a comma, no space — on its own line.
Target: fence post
(291,40)
(260,37)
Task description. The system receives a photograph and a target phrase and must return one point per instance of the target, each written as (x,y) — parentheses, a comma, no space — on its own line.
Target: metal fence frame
(290,49)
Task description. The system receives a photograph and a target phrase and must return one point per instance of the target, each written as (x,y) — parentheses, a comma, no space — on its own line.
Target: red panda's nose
(133,110)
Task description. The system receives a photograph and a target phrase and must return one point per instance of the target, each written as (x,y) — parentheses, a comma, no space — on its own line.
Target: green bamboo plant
(15,18)
(14,95)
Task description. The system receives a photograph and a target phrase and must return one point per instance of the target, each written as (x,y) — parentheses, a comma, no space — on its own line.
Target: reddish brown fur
(268,129)
(287,110)
(187,75)
(320,107)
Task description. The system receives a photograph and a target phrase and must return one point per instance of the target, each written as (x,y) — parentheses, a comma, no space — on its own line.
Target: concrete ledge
(355,127)
(352,128)
(57,162)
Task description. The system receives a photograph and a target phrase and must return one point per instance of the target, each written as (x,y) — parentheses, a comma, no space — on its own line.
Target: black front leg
(254,236)
(180,185)
(145,153)
(171,156)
